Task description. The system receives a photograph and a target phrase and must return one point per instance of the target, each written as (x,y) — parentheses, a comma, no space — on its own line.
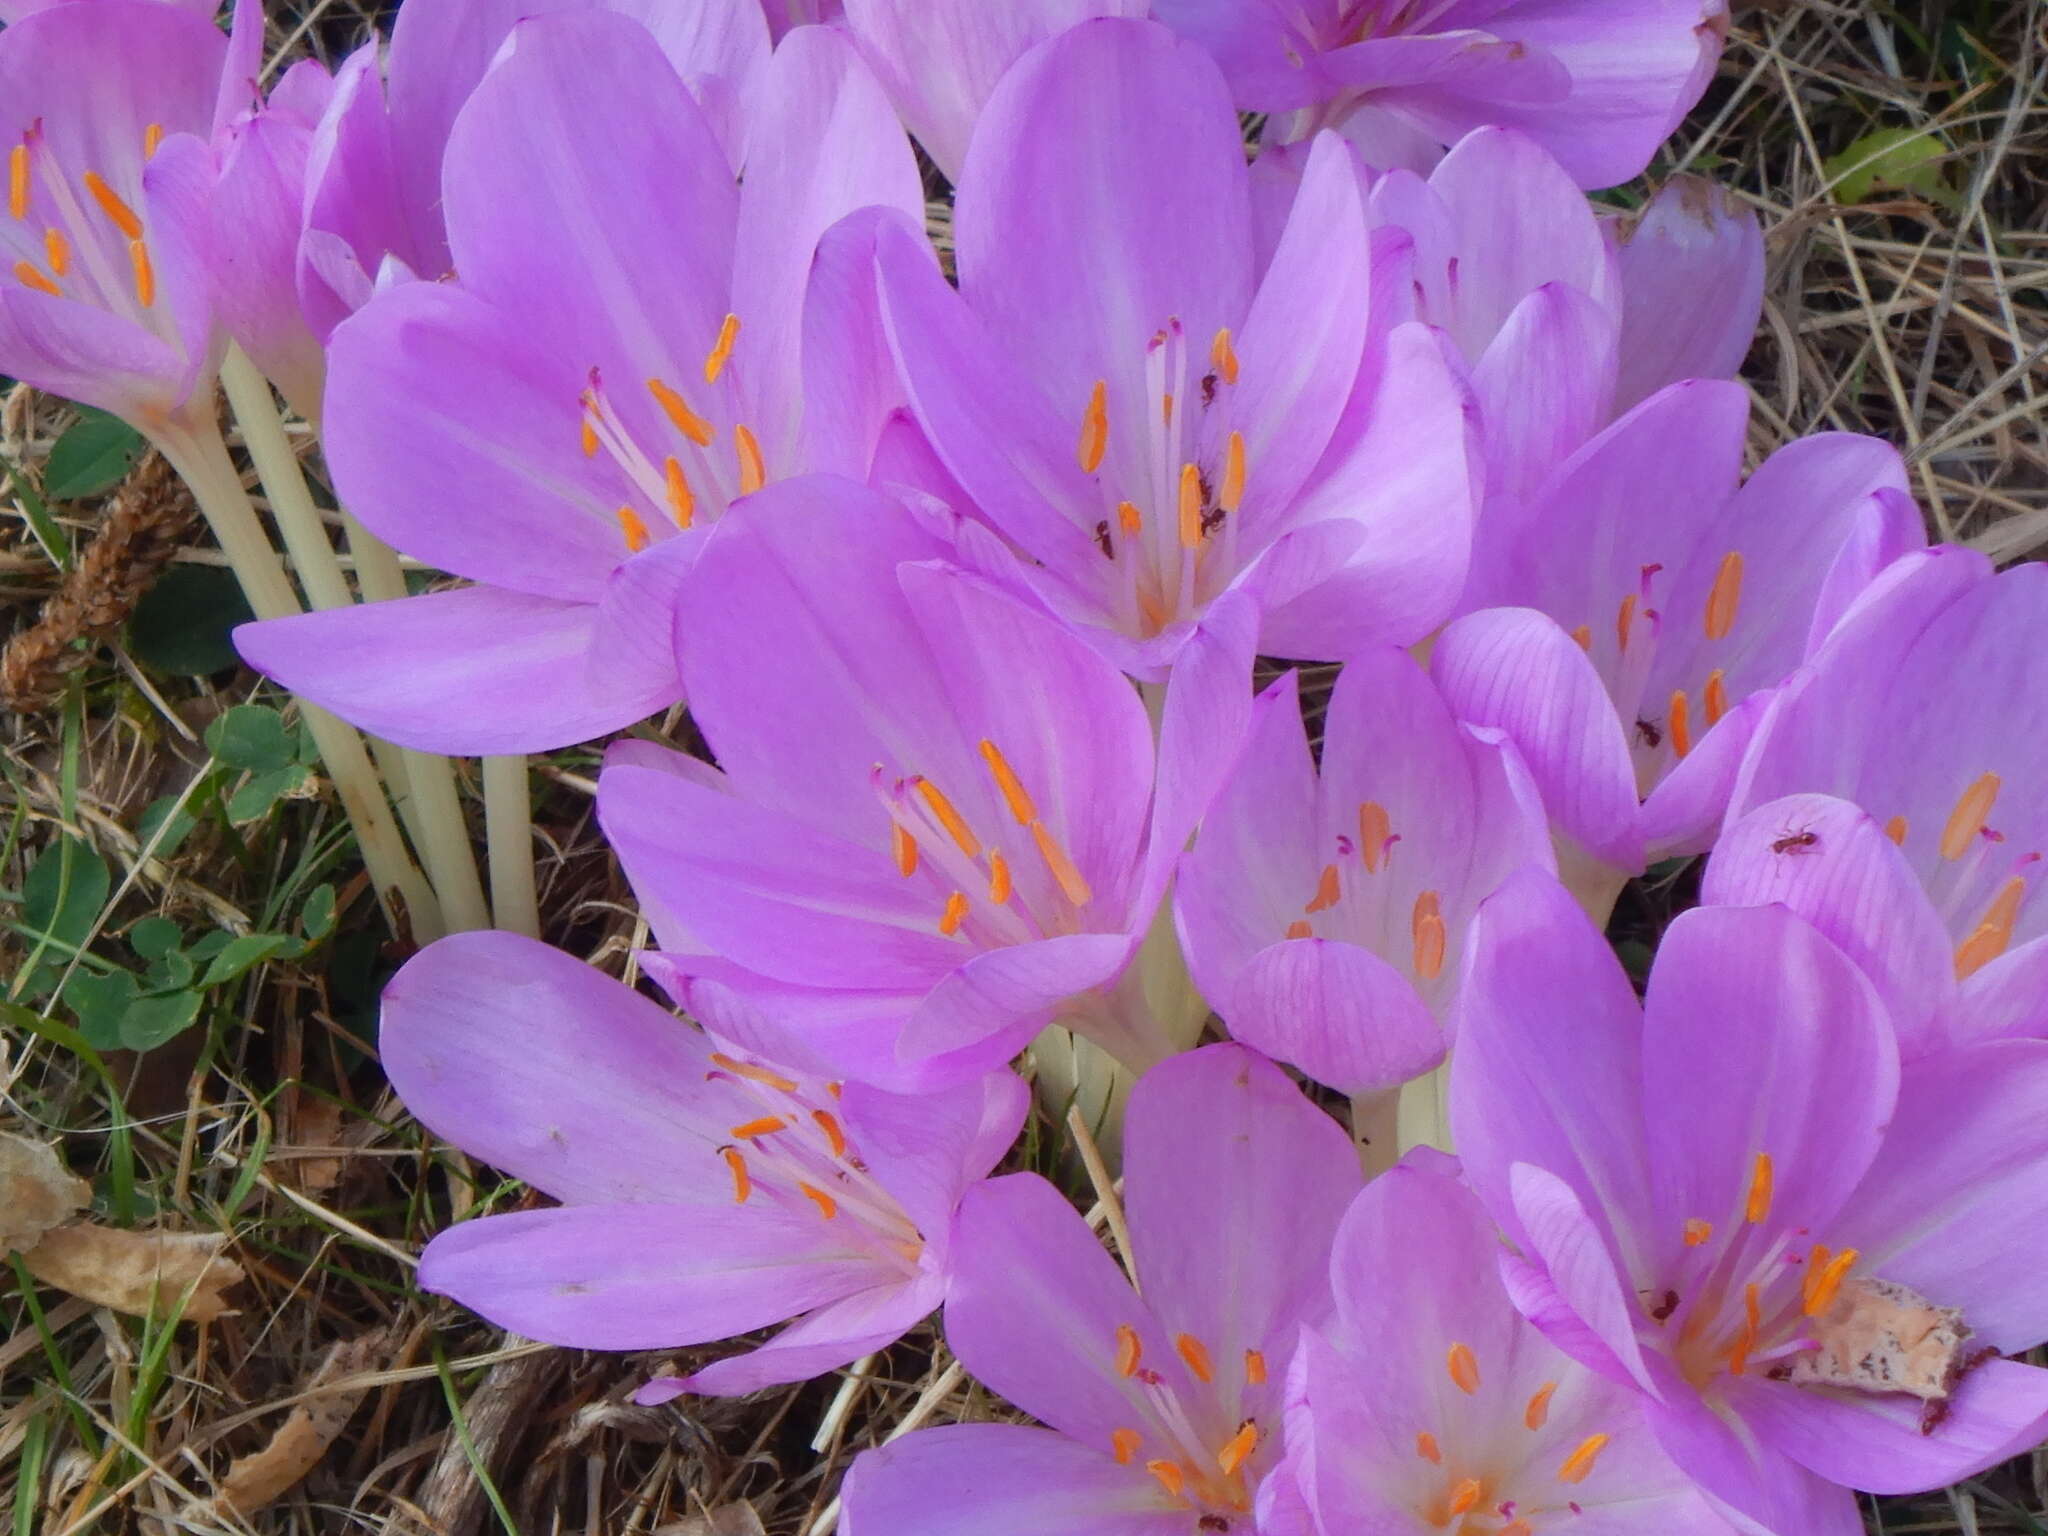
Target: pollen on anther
(1465,1495)
(677,409)
(1191,1350)
(17,182)
(1301,928)
(1238,1449)
(630,524)
(1431,937)
(1725,596)
(1895,829)
(721,350)
(1094,429)
(152,140)
(1014,794)
(742,1186)
(1373,831)
(1678,721)
(1990,937)
(1822,1295)
(121,215)
(752,1073)
(1072,883)
(1231,493)
(949,818)
(1967,819)
(998,879)
(145,273)
(753,469)
(1129,1350)
(1128,517)
(1123,1444)
(1223,356)
(589,439)
(954,915)
(1538,1412)
(1697,1231)
(1254,1367)
(903,849)
(58,249)
(1328,891)
(1190,506)
(827,1206)
(1624,619)
(1427,1448)
(752,1130)
(1584,635)
(1757,1207)
(1580,1463)
(1716,696)
(681,499)
(1170,1476)
(1463,1367)
(25,273)
(828,1122)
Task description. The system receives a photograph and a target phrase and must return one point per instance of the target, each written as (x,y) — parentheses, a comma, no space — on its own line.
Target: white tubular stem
(508,836)
(1373,1128)
(1422,1118)
(422,786)
(199,455)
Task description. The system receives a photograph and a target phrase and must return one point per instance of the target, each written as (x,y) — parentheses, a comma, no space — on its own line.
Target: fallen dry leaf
(303,1438)
(144,1273)
(316,1126)
(727,1520)
(37,1192)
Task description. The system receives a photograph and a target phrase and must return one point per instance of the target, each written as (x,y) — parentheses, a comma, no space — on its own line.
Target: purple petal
(1692,282)
(1340,1013)
(988,1009)
(836,1334)
(1597,1320)
(1544,386)
(926,1149)
(1761,1487)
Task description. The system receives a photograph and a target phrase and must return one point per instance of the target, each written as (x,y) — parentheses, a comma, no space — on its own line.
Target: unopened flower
(1164,1409)
(936,819)
(1324,914)
(620,358)
(1431,1404)
(1731,1196)
(1180,425)
(704,1193)
(1599,84)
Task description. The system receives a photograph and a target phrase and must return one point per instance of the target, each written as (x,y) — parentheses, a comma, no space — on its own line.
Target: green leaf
(265,789)
(101,1002)
(316,917)
(65,909)
(153,816)
(94,455)
(168,973)
(154,937)
(250,949)
(250,736)
(150,1021)
(182,624)
(1893,160)
(206,947)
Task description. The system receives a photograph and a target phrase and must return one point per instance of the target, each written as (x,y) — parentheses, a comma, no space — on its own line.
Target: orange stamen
(1991,937)
(1124,1445)
(637,536)
(1431,937)
(1725,596)
(1758,1206)
(1580,1462)
(589,439)
(1697,1231)
(1373,831)
(1300,928)
(1094,429)
(678,411)
(1463,1366)
(753,472)
(721,350)
(954,823)
(1071,882)
(1679,723)
(1223,356)
(1584,635)
(120,213)
(681,499)
(1166,409)
(829,1124)
(1014,793)
(1237,1450)
(1625,619)
(752,1073)
(26,273)
(1128,517)
(1328,892)
(1170,1476)
(954,915)
(1517,1528)
(903,849)
(1830,1282)
(152,140)
(1816,1266)
(1538,1412)
(998,878)
(1895,829)
(17,182)
(1465,1495)
(1232,492)
(827,1206)
(58,249)
(1716,696)
(145,274)
(1745,1341)
(1190,1349)
(1190,506)
(753,1130)
(1967,819)
(1129,1351)
(742,1186)
(1254,1367)
(1427,1448)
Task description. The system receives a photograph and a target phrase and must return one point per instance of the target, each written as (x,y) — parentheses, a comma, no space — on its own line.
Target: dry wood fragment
(146,1274)
(37,1192)
(298,1444)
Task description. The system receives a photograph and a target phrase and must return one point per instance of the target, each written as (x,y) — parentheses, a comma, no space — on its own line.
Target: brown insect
(1212,519)
(1665,1308)
(1208,389)
(1212,1523)
(1796,842)
(1651,735)
(1102,540)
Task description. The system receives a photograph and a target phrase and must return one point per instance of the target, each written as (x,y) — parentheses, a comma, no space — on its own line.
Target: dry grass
(1915,313)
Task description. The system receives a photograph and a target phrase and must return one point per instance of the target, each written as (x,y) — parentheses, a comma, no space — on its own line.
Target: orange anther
(1072,884)
(753,472)
(1725,596)
(1094,429)
(998,879)
(1427,1448)
(827,1206)
(1014,793)
(1465,1495)
(1223,356)
(1895,829)
(1679,722)
(1254,1367)
(1584,635)
(152,140)
(637,536)
(17,182)
(1129,1351)
(1431,937)
(1625,619)
(1328,892)
(721,349)
(1516,1528)
(1190,1349)
(29,277)
(1697,1231)
(1830,1283)
(1124,1445)
(742,1186)
(120,213)
(1463,1366)
(58,249)
(1238,1449)
(1190,506)
(1538,1411)
(903,849)
(1816,1266)
(145,273)
(752,1130)
(589,439)
(1128,517)
(1300,928)
(1967,819)
(678,411)
(949,818)
(1373,831)
(1716,696)
(1758,1206)
(1580,1462)
(681,499)
(954,915)
(829,1124)
(1231,494)
(752,1073)
(1170,1476)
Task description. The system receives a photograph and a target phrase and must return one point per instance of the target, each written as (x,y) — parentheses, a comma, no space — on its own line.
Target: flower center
(1203,1460)
(1367,19)
(1978,886)
(98,255)
(1362,911)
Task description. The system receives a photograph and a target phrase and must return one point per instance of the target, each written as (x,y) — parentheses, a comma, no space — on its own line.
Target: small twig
(1105,1189)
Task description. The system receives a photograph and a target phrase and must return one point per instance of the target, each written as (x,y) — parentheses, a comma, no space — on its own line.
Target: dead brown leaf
(303,1438)
(316,1129)
(37,1192)
(143,1273)
(727,1520)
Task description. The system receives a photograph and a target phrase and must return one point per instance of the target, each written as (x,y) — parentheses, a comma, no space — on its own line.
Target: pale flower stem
(508,835)
(1373,1118)
(1421,1118)
(842,1401)
(426,798)
(200,456)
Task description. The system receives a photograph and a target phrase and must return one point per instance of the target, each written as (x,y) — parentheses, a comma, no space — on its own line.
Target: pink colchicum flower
(936,819)
(1731,1197)
(1926,708)
(1323,915)
(1174,428)
(1432,1405)
(14,10)
(1599,83)
(704,1193)
(625,353)
(105,113)
(1639,608)
(1164,1409)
